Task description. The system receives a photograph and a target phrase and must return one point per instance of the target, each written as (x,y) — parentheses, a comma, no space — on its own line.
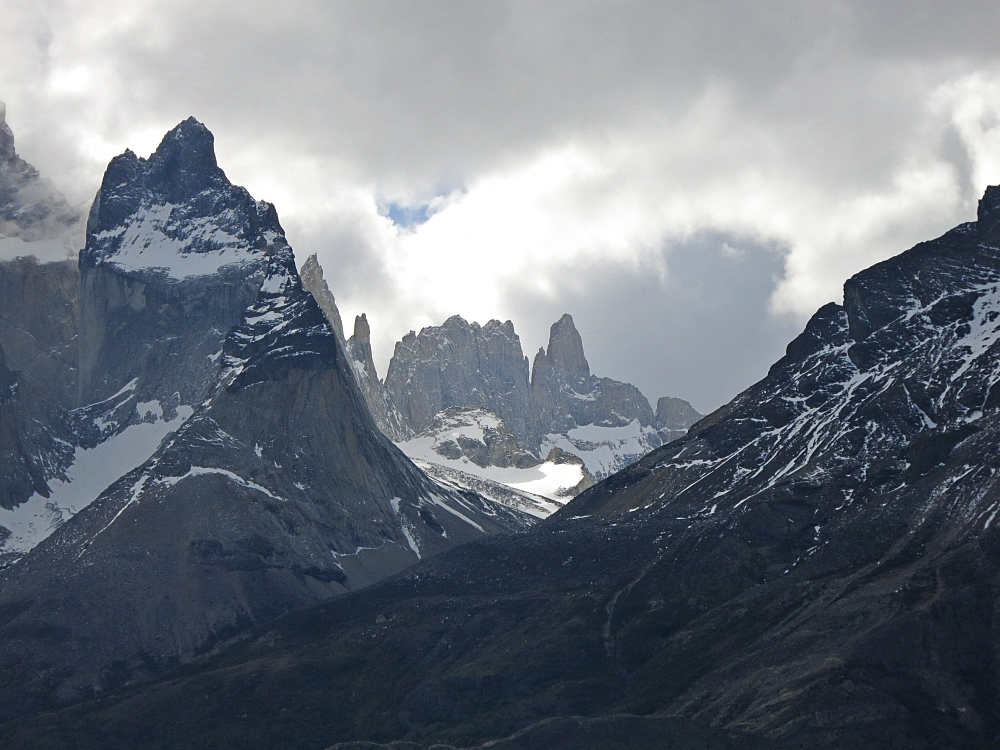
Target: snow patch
(93,470)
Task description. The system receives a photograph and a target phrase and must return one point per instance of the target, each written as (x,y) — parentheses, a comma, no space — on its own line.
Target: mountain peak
(176,213)
(362,331)
(184,163)
(565,352)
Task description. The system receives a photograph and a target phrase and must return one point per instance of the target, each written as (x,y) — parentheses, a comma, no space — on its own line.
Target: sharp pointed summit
(565,352)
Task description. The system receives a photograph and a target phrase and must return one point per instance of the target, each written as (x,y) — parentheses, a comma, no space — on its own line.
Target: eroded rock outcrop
(466,365)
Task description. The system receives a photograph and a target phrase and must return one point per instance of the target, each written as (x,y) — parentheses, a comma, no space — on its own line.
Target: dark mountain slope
(29,454)
(815,564)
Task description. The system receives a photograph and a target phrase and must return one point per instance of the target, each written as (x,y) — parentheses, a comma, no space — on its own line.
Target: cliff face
(466,365)
(31,450)
(39,323)
(674,417)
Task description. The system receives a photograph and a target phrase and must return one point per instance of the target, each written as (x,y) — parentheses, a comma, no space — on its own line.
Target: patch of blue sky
(406,217)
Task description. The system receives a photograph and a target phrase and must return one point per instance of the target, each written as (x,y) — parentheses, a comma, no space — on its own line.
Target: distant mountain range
(461,395)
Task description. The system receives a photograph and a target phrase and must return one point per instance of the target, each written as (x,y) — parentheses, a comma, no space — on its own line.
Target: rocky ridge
(359,350)
(231,522)
(208,461)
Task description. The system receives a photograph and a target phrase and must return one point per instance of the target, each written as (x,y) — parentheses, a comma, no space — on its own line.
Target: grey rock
(40,322)
(465,365)
(359,350)
(384,411)
(33,445)
(314,282)
(498,446)
(674,416)
(567,395)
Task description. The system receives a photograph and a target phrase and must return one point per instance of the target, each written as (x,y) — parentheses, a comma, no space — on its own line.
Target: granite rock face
(384,411)
(359,351)
(567,395)
(39,323)
(815,564)
(314,282)
(674,417)
(467,365)
(32,449)
(607,423)
(479,436)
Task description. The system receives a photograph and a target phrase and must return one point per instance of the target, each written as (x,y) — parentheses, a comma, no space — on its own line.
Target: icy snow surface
(604,450)
(547,479)
(504,494)
(92,472)
(146,245)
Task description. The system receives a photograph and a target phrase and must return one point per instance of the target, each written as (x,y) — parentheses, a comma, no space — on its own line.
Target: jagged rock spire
(565,353)
(315,283)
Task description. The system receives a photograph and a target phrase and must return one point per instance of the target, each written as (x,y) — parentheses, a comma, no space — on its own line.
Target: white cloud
(550,139)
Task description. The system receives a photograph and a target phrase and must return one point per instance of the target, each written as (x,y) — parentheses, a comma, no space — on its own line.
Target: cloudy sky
(689,180)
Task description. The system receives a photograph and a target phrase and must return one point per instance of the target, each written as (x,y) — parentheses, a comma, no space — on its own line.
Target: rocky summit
(812,565)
